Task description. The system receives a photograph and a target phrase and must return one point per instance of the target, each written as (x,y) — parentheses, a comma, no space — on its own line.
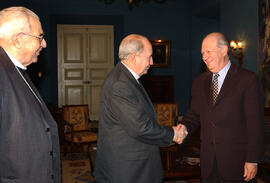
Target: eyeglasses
(40,37)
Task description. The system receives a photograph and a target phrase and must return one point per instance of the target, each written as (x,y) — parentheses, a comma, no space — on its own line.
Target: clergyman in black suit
(129,135)
(29,147)
(227,103)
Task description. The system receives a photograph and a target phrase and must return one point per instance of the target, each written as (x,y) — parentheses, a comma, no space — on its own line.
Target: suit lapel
(30,85)
(145,94)
(40,101)
(208,88)
(134,82)
(34,89)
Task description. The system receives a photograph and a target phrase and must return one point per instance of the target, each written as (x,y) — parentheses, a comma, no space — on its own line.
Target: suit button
(52,176)
(47,129)
(53,154)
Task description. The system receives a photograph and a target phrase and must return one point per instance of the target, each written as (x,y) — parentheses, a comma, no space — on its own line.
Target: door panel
(73,48)
(74,94)
(98,49)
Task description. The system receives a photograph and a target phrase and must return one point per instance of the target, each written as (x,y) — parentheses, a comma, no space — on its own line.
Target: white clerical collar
(15,61)
(136,76)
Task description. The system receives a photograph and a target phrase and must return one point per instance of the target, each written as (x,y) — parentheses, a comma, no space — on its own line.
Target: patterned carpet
(76,169)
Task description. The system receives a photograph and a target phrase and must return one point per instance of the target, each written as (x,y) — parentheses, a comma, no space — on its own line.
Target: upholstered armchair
(77,128)
(167,113)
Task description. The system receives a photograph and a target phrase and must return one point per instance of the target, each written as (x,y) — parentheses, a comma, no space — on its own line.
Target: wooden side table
(174,170)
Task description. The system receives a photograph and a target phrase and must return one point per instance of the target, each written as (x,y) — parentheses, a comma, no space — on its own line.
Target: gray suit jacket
(29,147)
(129,135)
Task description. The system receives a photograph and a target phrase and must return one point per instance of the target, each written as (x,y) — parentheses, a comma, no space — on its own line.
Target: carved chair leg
(65,148)
(90,158)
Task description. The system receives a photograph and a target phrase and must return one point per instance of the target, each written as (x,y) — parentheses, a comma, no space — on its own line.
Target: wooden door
(85,57)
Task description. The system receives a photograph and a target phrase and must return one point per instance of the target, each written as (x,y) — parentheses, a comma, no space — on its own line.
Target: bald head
(135,51)
(15,20)
(132,43)
(221,40)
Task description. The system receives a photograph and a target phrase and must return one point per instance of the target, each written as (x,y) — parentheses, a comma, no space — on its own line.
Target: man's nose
(204,56)
(43,43)
(151,61)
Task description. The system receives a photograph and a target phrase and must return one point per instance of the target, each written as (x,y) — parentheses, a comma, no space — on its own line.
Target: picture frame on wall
(161,53)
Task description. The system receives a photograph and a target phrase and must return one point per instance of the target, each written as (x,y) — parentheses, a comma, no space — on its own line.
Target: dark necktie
(215,87)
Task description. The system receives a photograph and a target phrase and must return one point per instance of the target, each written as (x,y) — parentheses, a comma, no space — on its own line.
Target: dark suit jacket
(129,135)
(29,148)
(232,129)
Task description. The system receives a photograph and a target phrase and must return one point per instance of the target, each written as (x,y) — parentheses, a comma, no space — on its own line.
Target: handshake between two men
(180,133)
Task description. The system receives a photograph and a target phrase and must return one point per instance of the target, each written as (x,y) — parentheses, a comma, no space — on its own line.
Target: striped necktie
(215,87)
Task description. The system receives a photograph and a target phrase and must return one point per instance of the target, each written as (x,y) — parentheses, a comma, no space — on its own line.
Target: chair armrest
(95,121)
(69,128)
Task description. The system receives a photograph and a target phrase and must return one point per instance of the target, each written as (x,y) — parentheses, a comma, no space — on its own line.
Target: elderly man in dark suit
(29,148)
(227,103)
(129,135)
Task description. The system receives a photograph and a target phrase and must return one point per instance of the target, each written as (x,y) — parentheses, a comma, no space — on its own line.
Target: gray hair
(131,44)
(222,40)
(15,20)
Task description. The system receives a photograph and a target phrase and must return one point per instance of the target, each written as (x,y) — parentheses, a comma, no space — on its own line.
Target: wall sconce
(39,74)
(237,50)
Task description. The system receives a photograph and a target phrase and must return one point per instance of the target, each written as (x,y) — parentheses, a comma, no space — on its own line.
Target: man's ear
(133,58)
(225,50)
(16,40)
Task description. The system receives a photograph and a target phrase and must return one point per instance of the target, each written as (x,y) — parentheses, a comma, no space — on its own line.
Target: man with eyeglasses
(29,146)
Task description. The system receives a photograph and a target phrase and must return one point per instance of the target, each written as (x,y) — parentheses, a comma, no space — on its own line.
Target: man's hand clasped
(180,133)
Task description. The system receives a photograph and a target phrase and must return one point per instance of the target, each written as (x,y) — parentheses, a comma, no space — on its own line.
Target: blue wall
(184,22)
(200,28)
(239,21)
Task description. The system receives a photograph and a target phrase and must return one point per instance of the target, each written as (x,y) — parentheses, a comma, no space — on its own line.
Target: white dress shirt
(222,74)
